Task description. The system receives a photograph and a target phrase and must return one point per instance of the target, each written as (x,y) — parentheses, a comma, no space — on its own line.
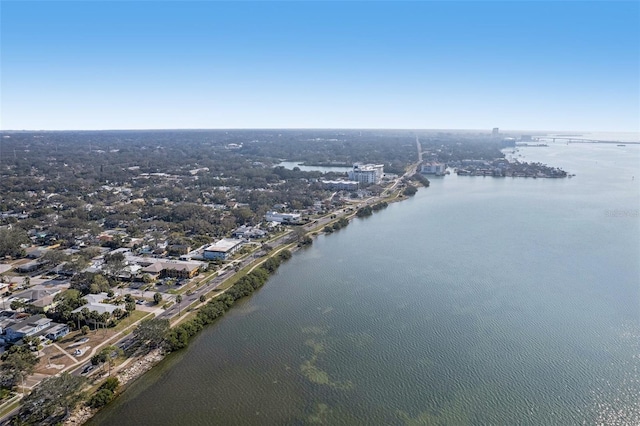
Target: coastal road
(224,274)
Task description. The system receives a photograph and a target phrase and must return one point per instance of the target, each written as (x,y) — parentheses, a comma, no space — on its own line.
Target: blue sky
(461,65)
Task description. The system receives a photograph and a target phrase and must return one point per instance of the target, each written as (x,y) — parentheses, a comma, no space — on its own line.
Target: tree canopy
(17,363)
(51,400)
(152,332)
(11,241)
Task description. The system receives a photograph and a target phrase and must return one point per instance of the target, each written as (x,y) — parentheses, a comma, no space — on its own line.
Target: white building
(282,217)
(367,173)
(433,168)
(222,249)
(95,303)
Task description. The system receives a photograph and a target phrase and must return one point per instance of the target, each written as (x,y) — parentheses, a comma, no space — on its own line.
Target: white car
(78,352)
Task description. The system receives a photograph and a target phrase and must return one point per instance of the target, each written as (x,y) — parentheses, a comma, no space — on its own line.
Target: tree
(178,301)
(105,393)
(99,358)
(76,265)
(104,319)
(130,307)
(151,332)
(11,241)
(51,400)
(202,298)
(114,264)
(79,316)
(100,398)
(157,298)
(410,190)
(107,355)
(99,283)
(89,253)
(26,282)
(17,363)
(17,305)
(305,241)
(298,234)
(285,254)
(54,257)
(69,299)
(111,383)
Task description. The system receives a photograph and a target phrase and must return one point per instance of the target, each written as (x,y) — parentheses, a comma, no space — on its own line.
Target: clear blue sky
(562,65)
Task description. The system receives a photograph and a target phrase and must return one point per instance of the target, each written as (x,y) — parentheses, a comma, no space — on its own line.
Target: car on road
(126,344)
(87,368)
(139,302)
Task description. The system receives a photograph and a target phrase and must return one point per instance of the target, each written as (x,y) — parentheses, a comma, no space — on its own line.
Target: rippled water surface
(478,301)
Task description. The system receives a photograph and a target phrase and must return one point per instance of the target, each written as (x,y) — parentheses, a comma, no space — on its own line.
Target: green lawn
(133,317)
(7,408)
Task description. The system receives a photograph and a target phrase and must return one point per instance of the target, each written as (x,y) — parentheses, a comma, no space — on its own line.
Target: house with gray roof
(26,327)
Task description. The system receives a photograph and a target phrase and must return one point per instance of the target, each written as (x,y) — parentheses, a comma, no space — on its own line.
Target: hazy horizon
(460,130)
(320,65)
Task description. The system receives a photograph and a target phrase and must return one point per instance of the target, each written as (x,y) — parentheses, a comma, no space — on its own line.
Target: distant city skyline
(541,66)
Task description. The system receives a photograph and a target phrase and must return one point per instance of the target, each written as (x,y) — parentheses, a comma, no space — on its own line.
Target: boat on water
(621,144)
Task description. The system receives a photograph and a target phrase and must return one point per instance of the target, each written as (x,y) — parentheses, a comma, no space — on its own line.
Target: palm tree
(86,315)
(118,313)
(104,318)
(110,354)
(79,316)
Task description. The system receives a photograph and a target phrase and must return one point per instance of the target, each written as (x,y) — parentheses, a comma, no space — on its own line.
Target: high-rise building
(367,173)
(433,168)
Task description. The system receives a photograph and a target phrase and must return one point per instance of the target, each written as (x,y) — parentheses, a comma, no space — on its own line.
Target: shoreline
(127,374)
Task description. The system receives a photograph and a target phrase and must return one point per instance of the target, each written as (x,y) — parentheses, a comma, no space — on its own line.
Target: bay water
(502,301)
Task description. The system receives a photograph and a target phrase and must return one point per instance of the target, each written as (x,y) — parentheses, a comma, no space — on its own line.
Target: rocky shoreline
(126,376)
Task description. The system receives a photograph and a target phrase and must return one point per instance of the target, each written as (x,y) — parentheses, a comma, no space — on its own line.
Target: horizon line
(314,128)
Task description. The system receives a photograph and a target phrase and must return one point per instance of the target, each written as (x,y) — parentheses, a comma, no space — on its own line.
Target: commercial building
(283,217)
(173,269)
(222,249)
(248,232)
(366,173)
(433,168)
